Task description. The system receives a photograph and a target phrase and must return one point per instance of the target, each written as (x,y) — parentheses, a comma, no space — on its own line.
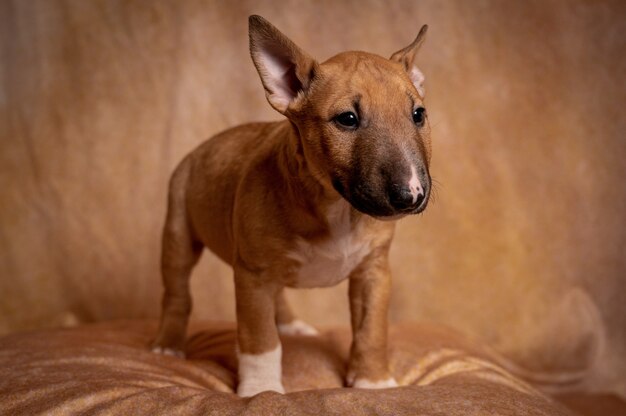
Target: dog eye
(347,119)
(419,114)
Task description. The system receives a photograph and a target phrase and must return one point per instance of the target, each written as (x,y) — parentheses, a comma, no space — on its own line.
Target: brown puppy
(299,203)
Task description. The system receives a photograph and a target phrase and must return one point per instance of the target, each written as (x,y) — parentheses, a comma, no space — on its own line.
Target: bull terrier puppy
(305,202)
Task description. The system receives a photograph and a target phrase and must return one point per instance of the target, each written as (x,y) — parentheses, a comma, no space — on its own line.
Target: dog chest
(331,260)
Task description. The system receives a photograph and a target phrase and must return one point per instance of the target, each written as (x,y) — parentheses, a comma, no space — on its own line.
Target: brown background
(524,246)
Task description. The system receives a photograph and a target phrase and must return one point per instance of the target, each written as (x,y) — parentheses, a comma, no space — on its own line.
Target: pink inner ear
(417,78)
(279,77)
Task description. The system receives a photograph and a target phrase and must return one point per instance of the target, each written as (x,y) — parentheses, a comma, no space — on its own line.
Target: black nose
(401,198)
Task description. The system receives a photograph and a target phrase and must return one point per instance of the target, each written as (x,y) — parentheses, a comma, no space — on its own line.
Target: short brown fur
(257,192)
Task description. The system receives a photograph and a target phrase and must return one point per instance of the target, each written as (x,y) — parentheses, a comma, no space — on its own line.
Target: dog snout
(411,195)
(405,198)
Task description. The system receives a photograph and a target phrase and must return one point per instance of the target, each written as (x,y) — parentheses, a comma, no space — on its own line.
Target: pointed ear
(406,57)
(284,68)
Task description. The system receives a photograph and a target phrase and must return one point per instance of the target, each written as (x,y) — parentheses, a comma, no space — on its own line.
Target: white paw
(297,327)
(168,351)
(363,383)
(350,378)
(249,388)
(260,372)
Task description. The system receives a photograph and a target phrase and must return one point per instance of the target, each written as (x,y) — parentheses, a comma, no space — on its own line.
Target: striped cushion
(107,369)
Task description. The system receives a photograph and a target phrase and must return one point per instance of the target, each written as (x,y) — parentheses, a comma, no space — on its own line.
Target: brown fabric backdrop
(524,246)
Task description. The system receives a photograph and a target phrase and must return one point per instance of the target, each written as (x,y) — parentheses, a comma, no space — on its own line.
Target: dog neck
(305,188)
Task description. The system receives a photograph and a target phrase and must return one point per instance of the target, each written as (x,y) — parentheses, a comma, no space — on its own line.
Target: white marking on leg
(260,372)
(297,327)
(415,187)
(364,383)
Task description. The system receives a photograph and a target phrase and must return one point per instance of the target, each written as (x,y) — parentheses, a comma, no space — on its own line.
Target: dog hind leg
(180,253)
(286,321)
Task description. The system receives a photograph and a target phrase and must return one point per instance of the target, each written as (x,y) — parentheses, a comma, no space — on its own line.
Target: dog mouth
(376,205)
(385,213)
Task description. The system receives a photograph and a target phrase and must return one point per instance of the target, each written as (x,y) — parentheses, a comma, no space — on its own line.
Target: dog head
(363,128)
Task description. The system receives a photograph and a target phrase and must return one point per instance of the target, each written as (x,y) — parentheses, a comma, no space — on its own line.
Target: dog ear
(285,69)
(406,57)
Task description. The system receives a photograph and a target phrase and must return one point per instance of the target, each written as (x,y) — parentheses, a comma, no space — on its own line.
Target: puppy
(305,202)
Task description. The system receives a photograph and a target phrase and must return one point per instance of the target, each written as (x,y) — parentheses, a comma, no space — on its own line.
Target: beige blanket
(107,369)
(523,246)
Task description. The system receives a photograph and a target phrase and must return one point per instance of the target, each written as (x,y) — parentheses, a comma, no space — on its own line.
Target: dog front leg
(258,347)
(370,286)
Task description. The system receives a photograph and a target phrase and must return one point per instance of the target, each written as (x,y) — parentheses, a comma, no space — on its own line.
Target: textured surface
(107,369)
(524,246)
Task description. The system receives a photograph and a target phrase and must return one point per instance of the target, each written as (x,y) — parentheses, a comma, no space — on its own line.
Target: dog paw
(350,377)
(297,327)
(363,383)
(252,388)
(157,349)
